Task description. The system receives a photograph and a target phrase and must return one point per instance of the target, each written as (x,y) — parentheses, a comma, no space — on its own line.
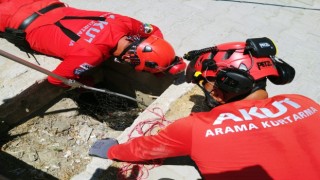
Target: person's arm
(4,14)
(74,65)
(143,29)
(174,140)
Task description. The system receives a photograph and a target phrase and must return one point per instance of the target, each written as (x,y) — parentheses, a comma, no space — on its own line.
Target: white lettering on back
(93,31)
(261,113)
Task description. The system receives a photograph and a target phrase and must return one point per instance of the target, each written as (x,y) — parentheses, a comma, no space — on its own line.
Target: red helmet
(237,68)
(155,55)
(231,55)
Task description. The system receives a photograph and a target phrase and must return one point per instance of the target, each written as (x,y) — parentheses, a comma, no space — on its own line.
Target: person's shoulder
(298,97)
(291,95)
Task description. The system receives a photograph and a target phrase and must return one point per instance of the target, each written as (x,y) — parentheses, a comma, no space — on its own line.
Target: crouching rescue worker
(246,135)
(83,39)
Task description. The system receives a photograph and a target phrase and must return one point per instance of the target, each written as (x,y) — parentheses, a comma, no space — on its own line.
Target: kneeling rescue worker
(246,135)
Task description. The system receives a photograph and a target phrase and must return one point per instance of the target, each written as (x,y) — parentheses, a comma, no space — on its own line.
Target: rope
(144,128)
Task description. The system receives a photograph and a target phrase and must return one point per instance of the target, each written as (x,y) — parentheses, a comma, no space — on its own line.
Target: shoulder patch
(147,28)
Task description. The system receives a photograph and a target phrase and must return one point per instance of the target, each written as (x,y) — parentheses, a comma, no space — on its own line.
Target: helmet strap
(131,51)
(210,101)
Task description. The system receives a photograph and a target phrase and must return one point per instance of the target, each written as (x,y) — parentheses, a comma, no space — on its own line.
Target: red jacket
(276,138)
(98,38)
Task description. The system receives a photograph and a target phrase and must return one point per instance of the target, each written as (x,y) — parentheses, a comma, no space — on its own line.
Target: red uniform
(276,138)
(98,39)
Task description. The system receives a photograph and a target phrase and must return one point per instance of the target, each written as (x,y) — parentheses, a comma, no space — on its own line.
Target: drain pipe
(70,82)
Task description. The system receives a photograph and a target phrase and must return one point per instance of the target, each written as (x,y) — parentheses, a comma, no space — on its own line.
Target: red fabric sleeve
(174,140)
(75,63)
(138,27)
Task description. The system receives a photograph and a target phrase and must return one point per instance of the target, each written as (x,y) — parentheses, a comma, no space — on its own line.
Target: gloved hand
(101,147)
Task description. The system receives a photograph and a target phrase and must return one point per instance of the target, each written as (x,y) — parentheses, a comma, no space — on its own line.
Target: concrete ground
(293,25)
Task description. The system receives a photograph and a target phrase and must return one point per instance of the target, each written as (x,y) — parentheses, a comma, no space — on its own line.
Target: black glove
(101,147)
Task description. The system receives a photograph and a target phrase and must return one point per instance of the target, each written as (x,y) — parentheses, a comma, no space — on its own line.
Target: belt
(35,15)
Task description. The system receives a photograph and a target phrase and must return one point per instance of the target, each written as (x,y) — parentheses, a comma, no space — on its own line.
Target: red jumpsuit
(98,38)
(276,138)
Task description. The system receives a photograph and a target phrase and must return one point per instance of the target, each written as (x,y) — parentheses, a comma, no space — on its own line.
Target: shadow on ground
(116,173)
(13,168)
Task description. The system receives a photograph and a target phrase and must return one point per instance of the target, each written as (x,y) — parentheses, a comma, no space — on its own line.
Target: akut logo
(261,113)
(97,27)
(93,31)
